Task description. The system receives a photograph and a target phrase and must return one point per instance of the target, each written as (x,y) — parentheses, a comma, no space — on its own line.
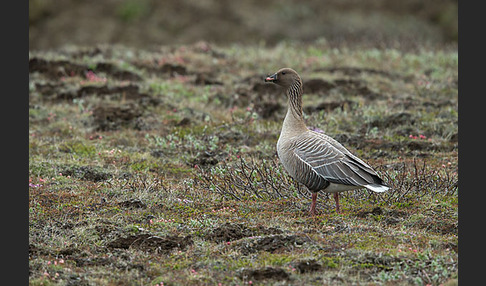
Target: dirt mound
(133,204)
(328,106)
(207,158)
(306,266)
(272,243)
(230,232)
(114,117)
(55,69)
(264,273)
(317,85)
(92,261)
(127,92)
(87,173)
(149,242)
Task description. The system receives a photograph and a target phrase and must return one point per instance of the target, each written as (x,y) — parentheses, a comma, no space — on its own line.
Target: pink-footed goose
(314,159)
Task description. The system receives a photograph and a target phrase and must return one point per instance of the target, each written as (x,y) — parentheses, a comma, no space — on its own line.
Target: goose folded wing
(333,163)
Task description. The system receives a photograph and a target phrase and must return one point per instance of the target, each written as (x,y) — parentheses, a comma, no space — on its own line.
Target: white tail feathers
(377,188)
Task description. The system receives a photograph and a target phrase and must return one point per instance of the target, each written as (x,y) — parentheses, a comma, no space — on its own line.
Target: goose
(314,159)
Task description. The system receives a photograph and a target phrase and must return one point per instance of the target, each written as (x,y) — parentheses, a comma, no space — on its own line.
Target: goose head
(284,77)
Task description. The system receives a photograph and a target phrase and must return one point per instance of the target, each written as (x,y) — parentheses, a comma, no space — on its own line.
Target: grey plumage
(315,159)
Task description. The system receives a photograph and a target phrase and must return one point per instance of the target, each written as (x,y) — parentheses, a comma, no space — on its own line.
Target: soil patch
(272,243)
(133,204)
(206,79)
(36,250)
(357,88)
(318,86)
(149,242)
(173,70)
(359,141)
(109,118)
(86,173)
(208,158)
(264,273)
(267,110)
(56,69)
(230,232)
(328,106)
(117,73)
(94,261)
(126,92)
(307,266)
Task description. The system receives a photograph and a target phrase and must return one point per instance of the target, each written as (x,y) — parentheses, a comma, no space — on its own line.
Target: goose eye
(283,72)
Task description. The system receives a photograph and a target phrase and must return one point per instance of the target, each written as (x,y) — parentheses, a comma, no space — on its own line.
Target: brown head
(284,77)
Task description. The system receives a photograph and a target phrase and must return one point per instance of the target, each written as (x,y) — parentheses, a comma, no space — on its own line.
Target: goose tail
(377,188)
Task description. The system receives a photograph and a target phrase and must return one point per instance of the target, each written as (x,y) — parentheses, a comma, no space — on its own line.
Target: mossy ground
(160,166)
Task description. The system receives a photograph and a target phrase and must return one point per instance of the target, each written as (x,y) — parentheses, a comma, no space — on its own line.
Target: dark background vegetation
(145,23)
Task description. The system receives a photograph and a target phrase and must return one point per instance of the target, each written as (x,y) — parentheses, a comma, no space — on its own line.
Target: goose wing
(330,160)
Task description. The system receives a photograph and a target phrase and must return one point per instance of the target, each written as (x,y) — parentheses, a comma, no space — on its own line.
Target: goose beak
(271,78)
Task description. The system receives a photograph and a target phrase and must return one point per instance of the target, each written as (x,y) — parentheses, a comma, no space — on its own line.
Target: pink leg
(313,204)
(336,199)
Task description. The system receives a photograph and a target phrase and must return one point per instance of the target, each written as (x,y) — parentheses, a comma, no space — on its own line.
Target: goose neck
(294,95)
(294,120)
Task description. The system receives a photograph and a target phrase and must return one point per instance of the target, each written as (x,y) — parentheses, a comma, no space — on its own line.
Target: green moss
(178,170)
(144,165)
(275,259)
(330,262)
(78,148)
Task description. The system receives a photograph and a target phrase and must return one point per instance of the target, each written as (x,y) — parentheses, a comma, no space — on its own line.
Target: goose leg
(313,204)
(336,199)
